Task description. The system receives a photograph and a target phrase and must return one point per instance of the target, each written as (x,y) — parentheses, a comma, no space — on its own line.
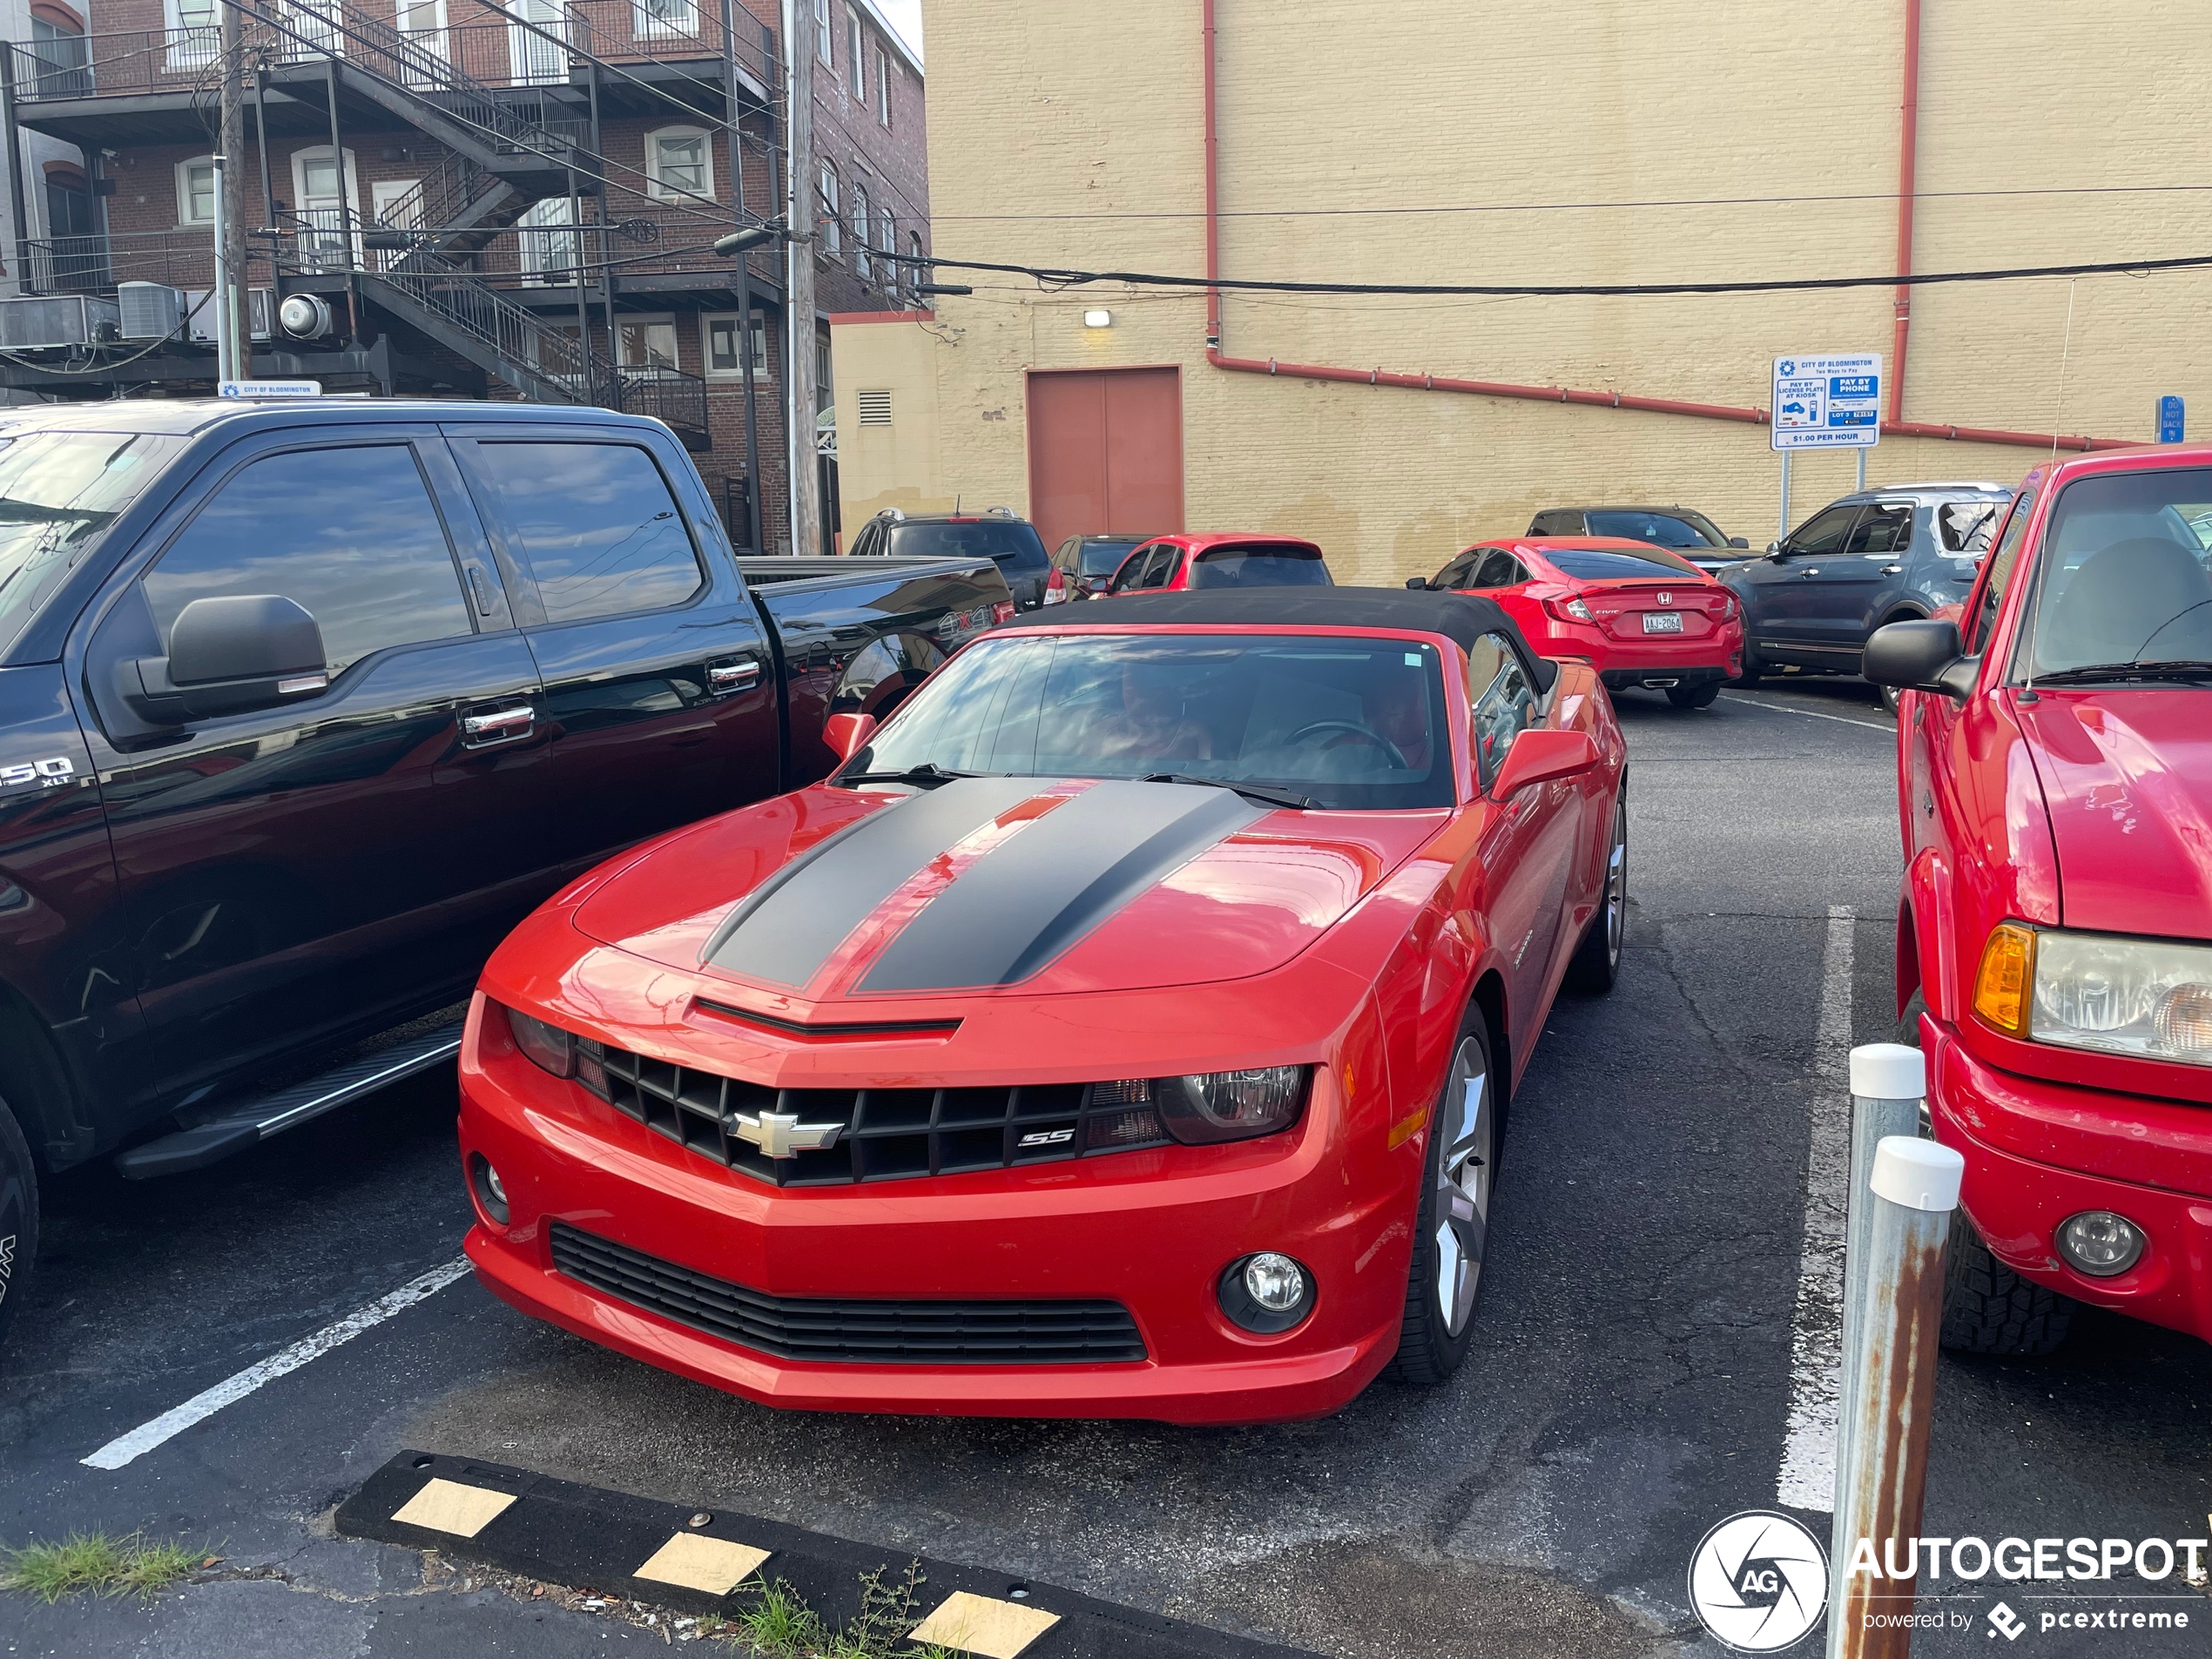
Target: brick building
(1431,141)
(524,204)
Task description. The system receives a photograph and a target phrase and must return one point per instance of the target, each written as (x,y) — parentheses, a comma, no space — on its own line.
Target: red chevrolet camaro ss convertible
(1126,1029)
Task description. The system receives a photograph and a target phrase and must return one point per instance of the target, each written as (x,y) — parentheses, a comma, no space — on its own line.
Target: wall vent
(875,409)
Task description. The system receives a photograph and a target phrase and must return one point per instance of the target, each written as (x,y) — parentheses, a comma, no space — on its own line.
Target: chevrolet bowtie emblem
(780,1135)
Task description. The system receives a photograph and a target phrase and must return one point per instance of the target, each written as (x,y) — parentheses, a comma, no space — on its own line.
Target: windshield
(1008,540)
(1102,558)
(1617,564)
(2122,577)
(1668,529)
(59,491)
(1351,723)
(1260,567)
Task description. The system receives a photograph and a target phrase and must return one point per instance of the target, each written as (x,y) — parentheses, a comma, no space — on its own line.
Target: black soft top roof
(1461,617)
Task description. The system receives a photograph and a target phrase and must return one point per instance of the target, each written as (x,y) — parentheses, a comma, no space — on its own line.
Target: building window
(646,342)
(721,346)
(655,19)
(886,239)
(826,211)
(917,272)
(546,254)
(825,394)
(57,48)
(191,32)
(679,162)
(883,86)
(857,56)
(861,226)
(196,191)
(822,31)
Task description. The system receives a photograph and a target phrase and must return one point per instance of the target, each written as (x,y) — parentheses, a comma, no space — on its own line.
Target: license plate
(1663,622)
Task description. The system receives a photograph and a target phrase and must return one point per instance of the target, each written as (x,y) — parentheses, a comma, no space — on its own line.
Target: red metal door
(1105,452)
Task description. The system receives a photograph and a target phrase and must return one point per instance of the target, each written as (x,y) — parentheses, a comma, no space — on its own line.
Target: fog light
(1266,1292)
(491,1191)
(2099,1243)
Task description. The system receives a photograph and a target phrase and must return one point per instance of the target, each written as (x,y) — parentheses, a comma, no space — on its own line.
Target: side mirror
(1774,550)
(229,656)
(1538,756)
(1921,657)
(1739,541)
(848,734)
(1418,584)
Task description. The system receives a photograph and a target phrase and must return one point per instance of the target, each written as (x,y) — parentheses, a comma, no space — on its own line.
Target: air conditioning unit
(46,322)
(260,319)
(149,310)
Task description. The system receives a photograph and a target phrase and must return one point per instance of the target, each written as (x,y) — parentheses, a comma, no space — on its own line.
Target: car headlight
(2141,997)
(547,1047)
(1231,1105)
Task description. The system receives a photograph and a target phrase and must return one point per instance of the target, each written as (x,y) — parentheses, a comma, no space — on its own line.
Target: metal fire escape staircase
(506,150)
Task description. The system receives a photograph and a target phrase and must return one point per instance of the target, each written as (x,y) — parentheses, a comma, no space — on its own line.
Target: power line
(1062,277)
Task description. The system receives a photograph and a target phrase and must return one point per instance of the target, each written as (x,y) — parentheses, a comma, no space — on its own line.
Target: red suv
(2055,941)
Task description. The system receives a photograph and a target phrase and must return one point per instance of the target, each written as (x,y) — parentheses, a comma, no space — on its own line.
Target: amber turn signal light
(2007,977)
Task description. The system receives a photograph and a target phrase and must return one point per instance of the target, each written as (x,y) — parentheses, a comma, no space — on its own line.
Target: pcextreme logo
(1758,1582)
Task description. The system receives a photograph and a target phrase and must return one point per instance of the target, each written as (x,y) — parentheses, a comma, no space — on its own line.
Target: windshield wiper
(927,775)
(1267,793)
(2176,669)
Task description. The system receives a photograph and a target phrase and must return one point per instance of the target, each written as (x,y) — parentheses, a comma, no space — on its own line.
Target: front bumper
(2039,1152)
(1151,1230)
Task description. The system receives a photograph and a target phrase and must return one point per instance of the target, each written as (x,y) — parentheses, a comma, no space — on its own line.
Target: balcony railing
(667,394)
(134,61)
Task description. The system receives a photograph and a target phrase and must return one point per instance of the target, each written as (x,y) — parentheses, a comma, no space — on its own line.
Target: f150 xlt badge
(50,772)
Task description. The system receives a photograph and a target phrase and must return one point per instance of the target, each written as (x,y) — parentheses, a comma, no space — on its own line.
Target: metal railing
(668,395)
(463,62)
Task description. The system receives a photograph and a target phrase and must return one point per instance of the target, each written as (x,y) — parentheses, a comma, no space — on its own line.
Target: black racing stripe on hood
(1018,907)
(787,931)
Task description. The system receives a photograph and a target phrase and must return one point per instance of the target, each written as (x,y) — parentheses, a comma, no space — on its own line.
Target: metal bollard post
(1890,1382)
(1887,1081)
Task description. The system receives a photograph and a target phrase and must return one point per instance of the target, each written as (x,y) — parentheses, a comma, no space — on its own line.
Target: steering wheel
(1353,728)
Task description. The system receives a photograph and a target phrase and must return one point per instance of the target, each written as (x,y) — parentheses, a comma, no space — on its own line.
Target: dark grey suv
(1012,543)
(1879,556)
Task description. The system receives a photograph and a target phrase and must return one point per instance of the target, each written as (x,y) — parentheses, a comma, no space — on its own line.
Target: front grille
(852,1330)
(880,1134)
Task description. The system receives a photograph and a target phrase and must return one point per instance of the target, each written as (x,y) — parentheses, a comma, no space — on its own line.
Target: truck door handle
(1891,569)
(1813,569)
(722,678)
(498,725)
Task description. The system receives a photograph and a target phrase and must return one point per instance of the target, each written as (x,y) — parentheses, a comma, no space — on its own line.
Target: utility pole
(798,278)
(731,115)
(231,267)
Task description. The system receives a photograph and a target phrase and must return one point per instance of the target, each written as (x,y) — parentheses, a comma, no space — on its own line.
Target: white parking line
(205,1404)
(1808,1476)
(1809,714)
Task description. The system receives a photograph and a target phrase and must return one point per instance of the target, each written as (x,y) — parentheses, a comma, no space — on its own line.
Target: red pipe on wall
(1907,149)
(1893,426)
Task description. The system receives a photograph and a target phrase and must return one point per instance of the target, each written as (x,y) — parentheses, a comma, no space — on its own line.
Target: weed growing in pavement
(95,1562)
(782,1626)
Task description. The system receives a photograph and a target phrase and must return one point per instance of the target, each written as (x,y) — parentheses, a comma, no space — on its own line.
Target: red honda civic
(1126,1029)
(1643,615)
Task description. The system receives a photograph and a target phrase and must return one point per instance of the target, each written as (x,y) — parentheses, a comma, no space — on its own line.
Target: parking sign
(1827,400)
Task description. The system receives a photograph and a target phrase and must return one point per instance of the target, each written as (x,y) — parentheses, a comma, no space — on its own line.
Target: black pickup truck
(304,704)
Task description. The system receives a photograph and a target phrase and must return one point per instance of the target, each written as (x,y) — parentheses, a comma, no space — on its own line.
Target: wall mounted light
(1100,317)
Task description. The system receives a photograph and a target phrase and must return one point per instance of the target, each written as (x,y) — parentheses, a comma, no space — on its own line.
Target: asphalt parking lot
(1630,1385)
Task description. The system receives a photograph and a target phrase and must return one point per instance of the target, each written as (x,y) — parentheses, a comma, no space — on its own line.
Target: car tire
(1701,696)
(18,1218)
(1751,672)
(1987,1308)
(1596,963)
(1451,1218)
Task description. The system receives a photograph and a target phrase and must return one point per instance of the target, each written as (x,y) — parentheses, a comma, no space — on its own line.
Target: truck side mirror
(1774,550)
(1740,541)
(1418,584)
(1920,656)
(227,656)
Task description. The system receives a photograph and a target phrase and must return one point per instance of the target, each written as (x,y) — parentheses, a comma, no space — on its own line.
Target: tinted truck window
(349,534)
(598,526)
(59,491)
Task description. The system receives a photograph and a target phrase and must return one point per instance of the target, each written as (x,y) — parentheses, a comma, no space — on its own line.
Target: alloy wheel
(1463,1174)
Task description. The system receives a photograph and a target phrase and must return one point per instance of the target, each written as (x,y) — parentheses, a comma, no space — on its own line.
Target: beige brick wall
(1072,135)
